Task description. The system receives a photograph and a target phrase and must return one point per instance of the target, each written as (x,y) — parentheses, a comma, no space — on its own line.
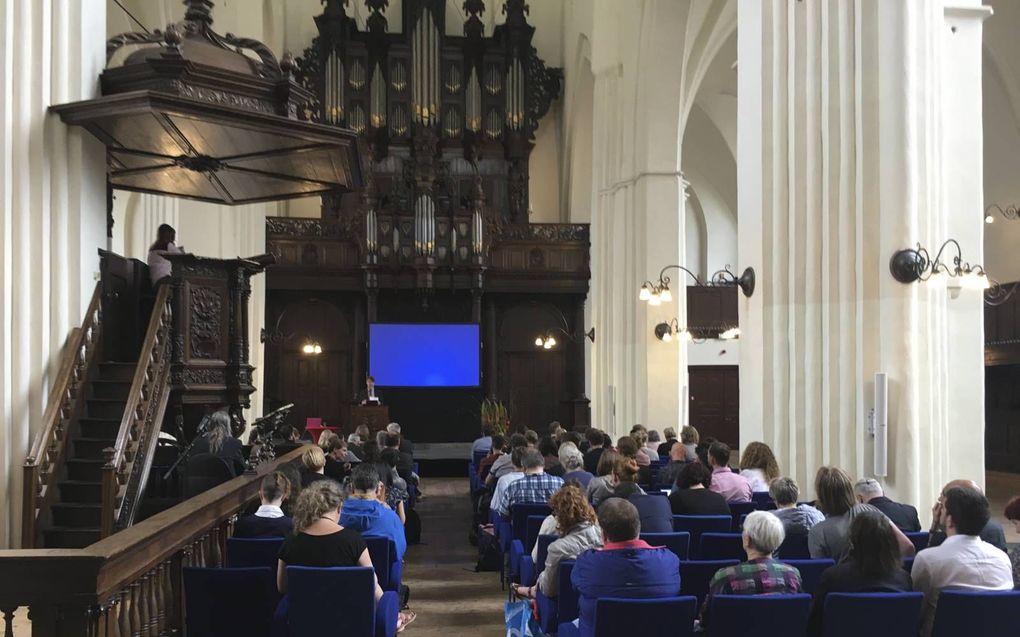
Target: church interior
(361,317)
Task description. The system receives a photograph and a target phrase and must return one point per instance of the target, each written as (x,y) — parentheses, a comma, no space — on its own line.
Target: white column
(52,212)
(867,144)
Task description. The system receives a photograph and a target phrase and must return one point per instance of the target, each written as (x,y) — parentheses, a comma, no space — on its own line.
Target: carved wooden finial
(199,11)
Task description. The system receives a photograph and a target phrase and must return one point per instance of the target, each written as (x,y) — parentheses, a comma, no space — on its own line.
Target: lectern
(375,417)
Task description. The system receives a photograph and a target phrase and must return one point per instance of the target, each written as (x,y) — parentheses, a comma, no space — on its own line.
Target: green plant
(495,413)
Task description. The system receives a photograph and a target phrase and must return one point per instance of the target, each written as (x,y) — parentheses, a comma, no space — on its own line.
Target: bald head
(961,484)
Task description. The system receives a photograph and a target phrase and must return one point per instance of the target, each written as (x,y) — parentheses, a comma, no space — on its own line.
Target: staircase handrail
(66,399)
(126,467)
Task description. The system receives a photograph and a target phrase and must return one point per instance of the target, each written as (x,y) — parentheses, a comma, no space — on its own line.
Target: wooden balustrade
(65,405)
(129,584)
(125,471)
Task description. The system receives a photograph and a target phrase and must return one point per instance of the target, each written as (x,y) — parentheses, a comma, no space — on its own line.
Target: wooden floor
(450,598)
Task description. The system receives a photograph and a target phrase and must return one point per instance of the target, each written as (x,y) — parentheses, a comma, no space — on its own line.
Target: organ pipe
(334,106)
(371,231)
(473,100)
(476,233)
(515,96)
(424,226)
(378,99)
(425,74)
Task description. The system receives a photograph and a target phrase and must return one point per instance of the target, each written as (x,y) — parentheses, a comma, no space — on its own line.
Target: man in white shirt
(516,457)
(964,560)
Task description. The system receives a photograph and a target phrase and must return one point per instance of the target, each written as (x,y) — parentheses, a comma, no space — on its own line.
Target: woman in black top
(692,496)
(873,565)
(219,442)
(269,520)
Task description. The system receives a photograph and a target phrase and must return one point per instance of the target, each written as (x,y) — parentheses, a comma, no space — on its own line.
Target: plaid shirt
(534,488)
(763,576)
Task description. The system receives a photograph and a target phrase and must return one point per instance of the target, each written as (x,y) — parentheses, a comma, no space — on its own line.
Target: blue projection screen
(424,355)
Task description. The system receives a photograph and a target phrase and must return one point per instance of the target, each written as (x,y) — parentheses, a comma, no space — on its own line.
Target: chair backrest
(698,524)
(759,615)
(347,592)
(794,547)
(919,539)
(908,563)
(721,546)
(229,601)
(679,543)
(543,550)
(568,598)
(810,572)
(853,614)
(532,527)
(383,552)
(662,617)
(976,613)
(737,511)
(761,497)
(696,574)
(478,456)
(204,471)
(260,551)
(519,514)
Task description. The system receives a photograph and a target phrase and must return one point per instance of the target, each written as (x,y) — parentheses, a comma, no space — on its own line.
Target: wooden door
(715,402)
(1002,418)
(534,382)
(316,384)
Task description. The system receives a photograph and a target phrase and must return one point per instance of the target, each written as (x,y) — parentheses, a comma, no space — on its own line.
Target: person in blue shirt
(366,511)
(624,567)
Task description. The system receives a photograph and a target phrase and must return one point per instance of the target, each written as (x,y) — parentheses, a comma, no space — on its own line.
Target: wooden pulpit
(375,417)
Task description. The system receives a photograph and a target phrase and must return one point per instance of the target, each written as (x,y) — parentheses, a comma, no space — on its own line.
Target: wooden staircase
(77,505)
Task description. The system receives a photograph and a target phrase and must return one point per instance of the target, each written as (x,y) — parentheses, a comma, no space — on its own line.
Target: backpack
(490,556)
(412,526)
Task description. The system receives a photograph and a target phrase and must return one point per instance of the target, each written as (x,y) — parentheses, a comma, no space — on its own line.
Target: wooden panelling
(711,310)
(1002,332)
(715,402)
(1002,417)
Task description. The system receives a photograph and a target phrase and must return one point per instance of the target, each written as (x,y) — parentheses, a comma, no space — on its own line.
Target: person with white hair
(760,574)
(405,444)
(904,516)
(573,465)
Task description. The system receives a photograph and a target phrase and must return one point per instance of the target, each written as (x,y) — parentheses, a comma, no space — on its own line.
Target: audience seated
(483,443)
(314,465)
(677,461)
(628,448)
(596,446)
(690,438)
(758,465)
(397,493)
(219,442)
(405,444)
(904,516)
(574,521)
(873,565)
(1012,514)
(692,495)
(572,461)
(732,486)
(292,472)
(534,487)
(405,463)
(652,445)
(365,510)
(963,560)
(550,453)
(797,518)
(643,457)
(652,509)
(829,537)
(625,567)
(503,464)
(531,436)
(991,533)
(269,520)
(574,438)
(495,452)
(338,463)
(760,574)
(601,486)
(666,446)
(701,450)
(516,473)
(320,540)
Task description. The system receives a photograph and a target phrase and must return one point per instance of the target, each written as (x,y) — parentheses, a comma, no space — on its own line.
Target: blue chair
(247,552)
(794,547)
(977,613)
(229,601)
(519,514)
(919,539)
(562,609)
(737,511)
(662,617)
(319,600)
(679,543)
(908,564)
(810,572)
(853,614)
(698,524)
(695,576)
(721,546)
(528,570)
(759,615)
(388,568)
(477,457)
(521,548)
(761,498)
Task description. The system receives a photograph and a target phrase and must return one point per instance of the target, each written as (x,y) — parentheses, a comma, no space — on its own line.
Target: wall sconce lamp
(548,340)
(667,332)
(916,264)
(1010,212)
(658,293)
(311,347)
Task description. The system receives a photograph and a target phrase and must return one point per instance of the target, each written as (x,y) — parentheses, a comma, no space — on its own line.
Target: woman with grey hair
(573,465)
(760,574)
(218,441)
(797,518)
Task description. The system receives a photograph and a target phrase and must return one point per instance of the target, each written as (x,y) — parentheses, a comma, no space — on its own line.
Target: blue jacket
(622,572)
(374,519)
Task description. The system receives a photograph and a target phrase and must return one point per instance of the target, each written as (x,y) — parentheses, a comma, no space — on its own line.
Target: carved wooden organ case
(446,125)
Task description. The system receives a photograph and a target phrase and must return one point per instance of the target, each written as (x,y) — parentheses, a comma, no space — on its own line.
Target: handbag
(521,620)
